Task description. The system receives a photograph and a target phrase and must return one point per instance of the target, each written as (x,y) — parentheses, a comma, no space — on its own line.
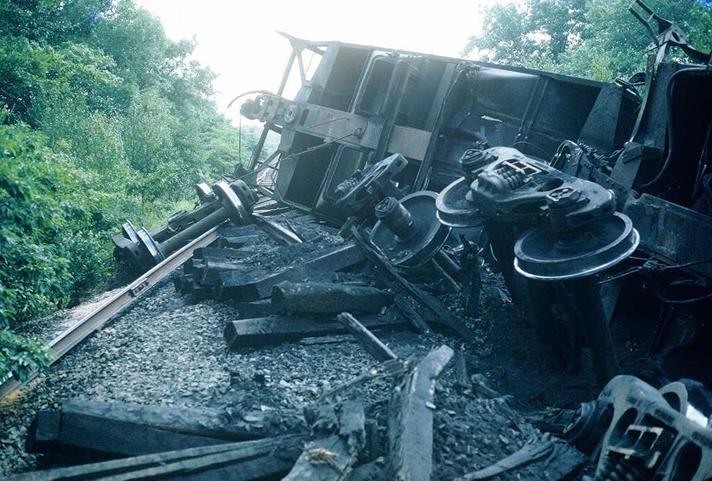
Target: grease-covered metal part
(588,426)
(143,249)
(546,225)
(149,248)
(236,209)
(138,247)
(575,231)
(454,208)
(129,231)
(408,231)
(359,194)
(513,188)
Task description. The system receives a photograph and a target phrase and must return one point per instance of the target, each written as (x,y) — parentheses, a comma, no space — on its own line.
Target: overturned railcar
(364,103)
(592,201)
(645,140)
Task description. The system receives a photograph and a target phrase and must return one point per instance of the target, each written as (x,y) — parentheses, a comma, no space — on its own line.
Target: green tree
(534,33)
(598,39)
(51,21)
(102,118)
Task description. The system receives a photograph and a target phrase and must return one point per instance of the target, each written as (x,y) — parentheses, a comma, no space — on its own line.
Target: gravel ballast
(167,351)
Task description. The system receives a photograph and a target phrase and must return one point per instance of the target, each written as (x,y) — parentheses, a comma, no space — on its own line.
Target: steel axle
(231,201)
(409,233)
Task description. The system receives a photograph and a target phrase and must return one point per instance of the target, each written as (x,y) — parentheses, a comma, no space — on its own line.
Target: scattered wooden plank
(438,313)
(224,254)
(275,329)
(406,306)
(209,272)
(336,339)
(254,287)
(328,298)
(116,428)
(331,456)
(273,208)
(558,459)
(368,340)
(249,310)
(217,467)
(197,291)
(279,232)
(243,244)
(84,435)
(229,460)
(410,421)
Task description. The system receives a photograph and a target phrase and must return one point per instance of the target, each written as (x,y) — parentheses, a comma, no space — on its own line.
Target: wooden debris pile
(286,290)
(85,428)
(301,282)
(243,461)
(341,436)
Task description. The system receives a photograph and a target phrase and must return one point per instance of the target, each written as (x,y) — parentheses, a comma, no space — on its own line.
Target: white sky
(237,39)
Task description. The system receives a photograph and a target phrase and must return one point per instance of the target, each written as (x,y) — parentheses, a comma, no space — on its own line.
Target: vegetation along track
(67,340)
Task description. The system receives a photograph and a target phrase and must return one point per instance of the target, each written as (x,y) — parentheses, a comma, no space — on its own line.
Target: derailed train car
(593,199)
(365,103)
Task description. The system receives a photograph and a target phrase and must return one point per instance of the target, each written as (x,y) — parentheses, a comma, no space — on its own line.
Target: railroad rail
(94,321)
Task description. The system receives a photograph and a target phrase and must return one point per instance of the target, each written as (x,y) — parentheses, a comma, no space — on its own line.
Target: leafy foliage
(598,39)
(102,117)
(19,355)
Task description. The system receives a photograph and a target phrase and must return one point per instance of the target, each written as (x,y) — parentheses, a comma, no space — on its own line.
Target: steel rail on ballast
(94,321)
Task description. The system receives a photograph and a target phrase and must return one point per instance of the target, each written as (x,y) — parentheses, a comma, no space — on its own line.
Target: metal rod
(265,130)
(258,148)
(287,71)
(396,217)
(444,274)
(191,232)
(450,266)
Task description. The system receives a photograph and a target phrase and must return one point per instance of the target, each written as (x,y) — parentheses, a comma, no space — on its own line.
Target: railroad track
(94,321)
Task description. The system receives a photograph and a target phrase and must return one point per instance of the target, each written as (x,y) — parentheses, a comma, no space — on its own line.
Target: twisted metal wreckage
(592,199)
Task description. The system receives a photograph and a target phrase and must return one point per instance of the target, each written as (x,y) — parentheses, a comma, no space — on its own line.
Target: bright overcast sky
(237,39)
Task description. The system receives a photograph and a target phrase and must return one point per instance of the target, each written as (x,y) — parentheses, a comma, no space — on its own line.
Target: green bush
(33,267)
(20,356)
(34,273)
(102,118)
